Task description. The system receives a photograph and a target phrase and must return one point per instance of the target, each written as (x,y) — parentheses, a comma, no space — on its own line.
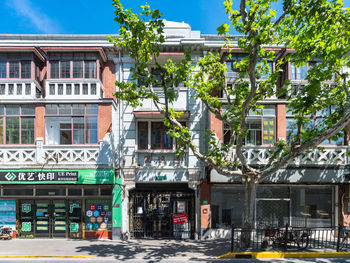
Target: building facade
(57,168)
(77,163)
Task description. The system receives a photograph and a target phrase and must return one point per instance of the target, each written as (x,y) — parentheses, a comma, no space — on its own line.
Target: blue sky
(96,16)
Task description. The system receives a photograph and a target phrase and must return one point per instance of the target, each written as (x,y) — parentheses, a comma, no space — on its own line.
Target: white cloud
(25,9)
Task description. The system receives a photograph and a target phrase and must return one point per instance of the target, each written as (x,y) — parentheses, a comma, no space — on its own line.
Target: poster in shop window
(99,215)
(8,213)
(181,207)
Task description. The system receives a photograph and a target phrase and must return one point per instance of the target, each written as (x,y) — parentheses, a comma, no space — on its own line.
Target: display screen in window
(98,215)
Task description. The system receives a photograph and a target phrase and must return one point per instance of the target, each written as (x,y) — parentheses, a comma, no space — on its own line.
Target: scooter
(6,232)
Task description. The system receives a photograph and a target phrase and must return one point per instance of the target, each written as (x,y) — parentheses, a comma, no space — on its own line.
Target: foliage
(308,30)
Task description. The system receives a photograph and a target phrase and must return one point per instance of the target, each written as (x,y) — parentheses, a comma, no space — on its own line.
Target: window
(157,131)
(76,89)
(85,89)
(52,89)
(142,134)
(17,124)
(26,69)
(2,69)
(2,89)
(71,123)
(90,71)
(298,72)
(54,72)
(93,89)
(28,89)
(160,139)
(65,69)
(68,89)
(10,89)
(77,69)
(261,126)
(60,89)
(19,89)
(80,69)
(14,69)
(315,122)
(231,62)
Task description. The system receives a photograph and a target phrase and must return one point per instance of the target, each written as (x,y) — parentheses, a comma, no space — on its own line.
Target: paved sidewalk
(121,250)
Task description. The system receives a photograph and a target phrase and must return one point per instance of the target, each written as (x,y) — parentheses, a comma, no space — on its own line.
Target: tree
(313,29)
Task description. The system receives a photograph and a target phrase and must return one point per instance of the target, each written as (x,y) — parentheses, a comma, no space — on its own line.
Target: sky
(97,16)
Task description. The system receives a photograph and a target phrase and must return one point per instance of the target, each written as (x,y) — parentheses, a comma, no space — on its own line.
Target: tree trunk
(248,211)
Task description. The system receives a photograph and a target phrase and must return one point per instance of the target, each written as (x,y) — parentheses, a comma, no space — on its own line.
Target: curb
(44,256)
(286,255)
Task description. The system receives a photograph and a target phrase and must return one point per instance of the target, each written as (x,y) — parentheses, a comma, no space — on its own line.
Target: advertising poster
(98,215)
(8,213)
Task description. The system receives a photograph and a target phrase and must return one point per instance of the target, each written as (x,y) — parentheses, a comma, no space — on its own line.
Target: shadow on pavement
(156,250)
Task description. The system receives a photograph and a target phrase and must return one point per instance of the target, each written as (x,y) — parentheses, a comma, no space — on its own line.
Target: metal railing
(290,238)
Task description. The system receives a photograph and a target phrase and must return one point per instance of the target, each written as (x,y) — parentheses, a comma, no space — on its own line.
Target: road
(179,260)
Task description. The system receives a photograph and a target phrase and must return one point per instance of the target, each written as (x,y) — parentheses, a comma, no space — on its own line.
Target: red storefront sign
(180,219)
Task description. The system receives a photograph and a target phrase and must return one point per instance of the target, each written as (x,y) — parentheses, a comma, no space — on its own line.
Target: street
(106,251)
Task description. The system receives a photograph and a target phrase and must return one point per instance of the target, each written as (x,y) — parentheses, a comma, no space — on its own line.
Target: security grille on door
(272,213)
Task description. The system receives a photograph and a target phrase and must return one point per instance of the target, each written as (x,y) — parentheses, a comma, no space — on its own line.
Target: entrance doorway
(50,218)
(151,214)
(272,212)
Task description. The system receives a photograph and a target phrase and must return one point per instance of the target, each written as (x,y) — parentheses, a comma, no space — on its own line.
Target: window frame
(314,119)
(72,73)
(73,116)
(149,139)
(4,117)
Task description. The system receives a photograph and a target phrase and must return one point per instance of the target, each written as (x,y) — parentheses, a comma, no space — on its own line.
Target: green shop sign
(57,176)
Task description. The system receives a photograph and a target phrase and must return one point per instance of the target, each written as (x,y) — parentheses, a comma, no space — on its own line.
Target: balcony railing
(74,88)
(56,155)
(20,89)
(160,158)
(329,155)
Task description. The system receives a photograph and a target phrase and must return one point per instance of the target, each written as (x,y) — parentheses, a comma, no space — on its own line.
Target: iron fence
(290,238)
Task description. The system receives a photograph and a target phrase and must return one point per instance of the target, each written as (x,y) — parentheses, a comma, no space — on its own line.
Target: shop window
(98,215)
(90,191)
(51,192)
(224,213)
(71,123)
(312,206)
(106,191)
(74,191)
(17,124)
(17,191)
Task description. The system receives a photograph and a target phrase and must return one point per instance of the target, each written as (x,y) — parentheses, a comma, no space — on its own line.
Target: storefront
(79,203)
(162,211)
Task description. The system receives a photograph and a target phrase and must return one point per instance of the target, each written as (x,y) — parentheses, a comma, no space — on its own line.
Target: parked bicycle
(283,237)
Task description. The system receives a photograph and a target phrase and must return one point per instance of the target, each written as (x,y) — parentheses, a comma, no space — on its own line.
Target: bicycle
(344,234)
(124,236)
(279,238)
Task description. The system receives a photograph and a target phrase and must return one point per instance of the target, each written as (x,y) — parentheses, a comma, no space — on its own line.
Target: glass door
(26,220)
(43,218)
(74,219)
(59,217)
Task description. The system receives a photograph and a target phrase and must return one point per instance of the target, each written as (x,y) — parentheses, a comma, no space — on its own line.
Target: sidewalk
(121,250)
